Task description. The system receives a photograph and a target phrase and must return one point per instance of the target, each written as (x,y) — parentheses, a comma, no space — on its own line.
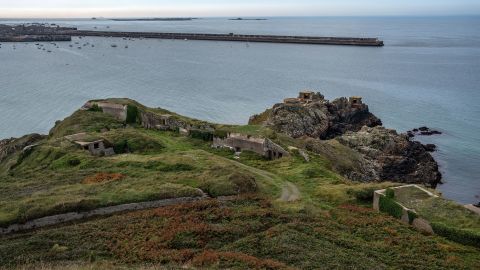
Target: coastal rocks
(423,131)
(394,156)
(317,117)
(12,145)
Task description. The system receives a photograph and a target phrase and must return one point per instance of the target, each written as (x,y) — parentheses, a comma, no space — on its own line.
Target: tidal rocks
(317,117)
(394,156)
(423,131)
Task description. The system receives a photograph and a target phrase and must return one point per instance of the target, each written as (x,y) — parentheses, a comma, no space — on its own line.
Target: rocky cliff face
(380,154)
(318,118)
(394,156)
(10,146)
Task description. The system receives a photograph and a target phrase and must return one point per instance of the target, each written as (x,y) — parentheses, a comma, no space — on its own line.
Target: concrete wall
(418,223)
(57,219)
(161,122)
(240,142)
(118,111)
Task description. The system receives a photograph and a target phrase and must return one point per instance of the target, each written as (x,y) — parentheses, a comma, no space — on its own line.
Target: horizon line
(236,16)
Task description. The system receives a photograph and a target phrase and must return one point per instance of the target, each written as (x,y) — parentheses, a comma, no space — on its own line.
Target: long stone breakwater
(234,37)
(46,32)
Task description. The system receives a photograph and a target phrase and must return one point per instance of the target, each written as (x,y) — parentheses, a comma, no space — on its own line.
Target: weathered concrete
(72,216)
(418,223)
(473,208)
(118,111)
(261,146)
(234,37)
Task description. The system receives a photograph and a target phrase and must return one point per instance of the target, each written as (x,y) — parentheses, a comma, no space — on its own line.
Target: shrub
(73,162)
(466,237)
(388,205)
(364,194)
(95,108)
(201,134)
(121,147)
(244,183)
(178,167)
(390,193)
(411,216)
(221,134)
(132,114)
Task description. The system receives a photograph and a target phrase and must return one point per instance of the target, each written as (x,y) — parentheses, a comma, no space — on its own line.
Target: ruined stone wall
(162,122)
(271,146)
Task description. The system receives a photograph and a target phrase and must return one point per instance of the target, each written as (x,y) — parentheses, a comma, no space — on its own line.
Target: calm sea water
(427,74)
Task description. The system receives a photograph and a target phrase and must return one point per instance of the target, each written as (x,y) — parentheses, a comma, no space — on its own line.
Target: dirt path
(290,193)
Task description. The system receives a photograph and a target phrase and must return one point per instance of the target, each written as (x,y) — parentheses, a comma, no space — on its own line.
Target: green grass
(248,233)
(325,228)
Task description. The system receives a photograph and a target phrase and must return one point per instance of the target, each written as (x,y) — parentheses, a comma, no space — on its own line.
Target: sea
(427,74)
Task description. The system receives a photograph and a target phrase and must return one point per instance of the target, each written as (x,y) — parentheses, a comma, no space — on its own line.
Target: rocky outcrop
(318,117)
(423,131)
(12,145)
(393,155)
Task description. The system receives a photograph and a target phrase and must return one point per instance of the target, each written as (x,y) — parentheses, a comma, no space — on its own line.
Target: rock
(430,147)
(424,131)
(394,156)
(12,145)
(317,117)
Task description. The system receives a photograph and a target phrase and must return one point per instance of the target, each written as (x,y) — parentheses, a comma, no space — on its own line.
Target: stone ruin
(99,147)
(118,111)
(262,146)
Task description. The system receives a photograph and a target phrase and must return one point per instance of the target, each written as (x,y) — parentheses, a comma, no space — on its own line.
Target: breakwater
(35,38)
(234,37)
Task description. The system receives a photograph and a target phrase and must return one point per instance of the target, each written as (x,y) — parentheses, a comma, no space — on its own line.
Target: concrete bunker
(97,148)
(356,101)
(240,142)
(118,111)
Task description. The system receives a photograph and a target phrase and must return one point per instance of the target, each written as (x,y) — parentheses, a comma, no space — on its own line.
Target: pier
(235,37)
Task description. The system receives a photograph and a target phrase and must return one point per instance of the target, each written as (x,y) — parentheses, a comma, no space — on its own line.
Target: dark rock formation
(424,131)
(12,145)
(394,156)
(430,147)
(317,117)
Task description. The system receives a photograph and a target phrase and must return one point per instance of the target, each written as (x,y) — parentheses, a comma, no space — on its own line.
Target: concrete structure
(118,111)
(355,102)
(239,142)
(162,122)
(419,223)
(235,37)
(97,147)
(306,95)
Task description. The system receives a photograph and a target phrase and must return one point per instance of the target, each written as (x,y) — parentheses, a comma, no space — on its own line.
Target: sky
(219,8)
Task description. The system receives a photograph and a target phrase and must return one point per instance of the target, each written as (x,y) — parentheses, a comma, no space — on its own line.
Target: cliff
(382,154)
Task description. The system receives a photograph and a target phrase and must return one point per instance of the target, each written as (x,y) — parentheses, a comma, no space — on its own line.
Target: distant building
(155,121)
(306,95)
(262,146)
(355,101)
(118,111)
(96,148)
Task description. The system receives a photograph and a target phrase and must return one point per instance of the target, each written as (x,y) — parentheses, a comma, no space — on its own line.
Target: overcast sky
(162,8)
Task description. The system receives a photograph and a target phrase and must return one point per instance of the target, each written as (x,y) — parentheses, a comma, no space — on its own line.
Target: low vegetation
(329,225)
